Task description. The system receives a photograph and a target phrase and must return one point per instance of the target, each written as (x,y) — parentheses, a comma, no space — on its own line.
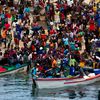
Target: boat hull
(21,69)
(65,82)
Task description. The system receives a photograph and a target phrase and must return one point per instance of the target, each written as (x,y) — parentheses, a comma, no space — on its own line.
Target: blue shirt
(2,15)
(34,71)
(65,40)
(27,10)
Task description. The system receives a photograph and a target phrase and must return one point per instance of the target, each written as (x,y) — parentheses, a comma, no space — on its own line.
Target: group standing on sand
(54,51)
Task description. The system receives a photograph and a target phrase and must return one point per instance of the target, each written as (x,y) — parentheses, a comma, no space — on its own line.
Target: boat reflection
(99,95)
(72,95)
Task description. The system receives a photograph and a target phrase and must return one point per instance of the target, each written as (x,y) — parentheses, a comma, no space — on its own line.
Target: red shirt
(8,15)
(33,47)
(62,16)
(52,31)
(35,24)
(43,36)
(40,68)
(41,3)
(58,5)
(34,56)
(6,55)
(65,6)
(92,25)
(7,25)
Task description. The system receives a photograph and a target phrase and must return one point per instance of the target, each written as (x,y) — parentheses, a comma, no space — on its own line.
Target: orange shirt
(51,44)
(54,63)
(4,34)
(80,39)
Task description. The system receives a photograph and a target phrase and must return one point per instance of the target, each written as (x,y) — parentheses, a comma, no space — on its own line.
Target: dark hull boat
(5,70)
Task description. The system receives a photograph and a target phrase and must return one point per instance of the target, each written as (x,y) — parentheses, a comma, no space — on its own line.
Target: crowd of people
(60,48)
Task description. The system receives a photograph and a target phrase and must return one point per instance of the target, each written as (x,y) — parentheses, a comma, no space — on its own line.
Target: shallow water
(19,87)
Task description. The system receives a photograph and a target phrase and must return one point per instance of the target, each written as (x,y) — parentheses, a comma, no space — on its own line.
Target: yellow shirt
(95,8)
(82,64)
(94,65)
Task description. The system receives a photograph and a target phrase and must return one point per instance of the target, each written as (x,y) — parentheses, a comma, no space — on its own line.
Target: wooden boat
(5,70)
(50,83)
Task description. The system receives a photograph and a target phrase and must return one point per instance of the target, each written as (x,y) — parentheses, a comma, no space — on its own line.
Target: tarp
(2,69)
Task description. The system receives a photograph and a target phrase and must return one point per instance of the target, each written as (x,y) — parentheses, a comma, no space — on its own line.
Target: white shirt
(30,56)
(94,40)
(98,57)
(71,34)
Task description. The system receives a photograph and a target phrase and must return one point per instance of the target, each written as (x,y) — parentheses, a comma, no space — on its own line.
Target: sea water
(19,87)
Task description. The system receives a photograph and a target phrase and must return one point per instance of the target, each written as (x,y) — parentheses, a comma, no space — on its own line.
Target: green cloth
(58,62)
(77,49)
(66,73)
(13,18)
(3,22)
(81,33)
(10,67)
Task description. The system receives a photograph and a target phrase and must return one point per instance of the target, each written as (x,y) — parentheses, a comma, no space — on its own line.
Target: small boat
(5,70)
(51,83)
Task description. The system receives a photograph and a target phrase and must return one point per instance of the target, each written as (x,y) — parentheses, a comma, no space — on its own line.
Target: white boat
(51,83)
